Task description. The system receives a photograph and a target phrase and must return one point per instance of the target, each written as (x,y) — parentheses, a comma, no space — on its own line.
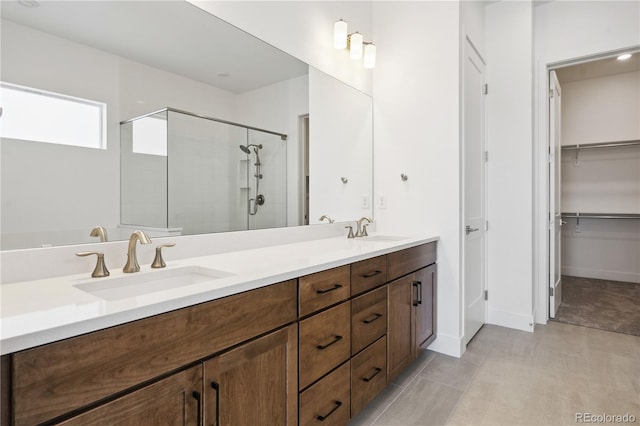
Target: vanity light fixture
(624,56)
(354,42)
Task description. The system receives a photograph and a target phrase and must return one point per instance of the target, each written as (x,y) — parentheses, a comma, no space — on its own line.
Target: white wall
(606,180)
(303,29)
(33,172)
(564,31)
(603,109)
(416,118)
(509,142)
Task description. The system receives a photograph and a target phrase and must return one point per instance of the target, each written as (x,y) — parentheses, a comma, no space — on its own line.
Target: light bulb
(369,55)
(355,46)
(340,35)
(624,56)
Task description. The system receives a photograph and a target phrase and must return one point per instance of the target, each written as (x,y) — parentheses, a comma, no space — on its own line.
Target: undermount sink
(383,238)
(144,283)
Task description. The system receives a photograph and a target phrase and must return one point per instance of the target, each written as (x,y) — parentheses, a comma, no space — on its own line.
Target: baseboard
(630,277)
(511,320)
(447,345)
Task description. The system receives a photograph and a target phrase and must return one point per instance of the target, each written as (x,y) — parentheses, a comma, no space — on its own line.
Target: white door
(474,192)
(555,213)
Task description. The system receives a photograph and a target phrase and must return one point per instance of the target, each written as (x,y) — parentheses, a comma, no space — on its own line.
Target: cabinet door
(254,384)
(400,331)
(175,400)
(425,312)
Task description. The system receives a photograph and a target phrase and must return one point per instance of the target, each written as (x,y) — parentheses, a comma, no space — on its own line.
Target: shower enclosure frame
(168,110)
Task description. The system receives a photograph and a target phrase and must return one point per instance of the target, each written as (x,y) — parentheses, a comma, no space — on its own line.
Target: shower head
(245,148)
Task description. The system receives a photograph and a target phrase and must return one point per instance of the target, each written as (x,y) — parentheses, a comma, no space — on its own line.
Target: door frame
(467,43)
(541,174)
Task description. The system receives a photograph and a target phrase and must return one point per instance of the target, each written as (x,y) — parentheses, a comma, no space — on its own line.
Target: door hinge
(550,291)
(486,156)
(486,295)
(551,94)
(486,225)
(550,157)
(485,89)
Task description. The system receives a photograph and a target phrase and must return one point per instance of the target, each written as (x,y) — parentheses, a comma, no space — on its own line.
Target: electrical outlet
(382,201)
(364,201)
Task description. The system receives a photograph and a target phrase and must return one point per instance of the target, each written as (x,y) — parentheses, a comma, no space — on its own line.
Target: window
(36,115)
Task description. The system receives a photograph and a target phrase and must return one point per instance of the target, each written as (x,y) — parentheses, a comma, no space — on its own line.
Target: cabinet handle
(196,395)
(371,274)
(375,317)
(416,300)
(335,340)
(419,292)
(327,290)
(375,373)
(216,387)
(323,418)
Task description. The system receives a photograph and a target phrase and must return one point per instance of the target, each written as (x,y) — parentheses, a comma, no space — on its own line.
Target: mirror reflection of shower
(259,198)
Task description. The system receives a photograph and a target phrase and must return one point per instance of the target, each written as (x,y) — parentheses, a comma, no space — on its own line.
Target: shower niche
(184,174)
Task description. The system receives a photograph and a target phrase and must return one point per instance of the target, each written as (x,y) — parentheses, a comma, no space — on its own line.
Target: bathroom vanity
(309,336)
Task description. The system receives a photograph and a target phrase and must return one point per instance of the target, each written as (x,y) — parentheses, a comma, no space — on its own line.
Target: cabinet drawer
(368,318)
(323,289)
(368,274)
(406,261)
(324,343)
(327,402)
(368,374)
(54,379)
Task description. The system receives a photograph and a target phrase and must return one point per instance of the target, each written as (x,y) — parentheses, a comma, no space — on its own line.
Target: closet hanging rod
(602,145)
(600,216)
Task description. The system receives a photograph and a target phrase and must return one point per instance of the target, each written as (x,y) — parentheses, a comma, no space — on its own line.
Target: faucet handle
(350,232)
(100,269)
(158,261)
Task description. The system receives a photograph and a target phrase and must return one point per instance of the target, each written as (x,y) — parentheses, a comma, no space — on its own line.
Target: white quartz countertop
(44,311)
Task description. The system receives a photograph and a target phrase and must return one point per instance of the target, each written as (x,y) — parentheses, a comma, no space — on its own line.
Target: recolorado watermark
(605,418)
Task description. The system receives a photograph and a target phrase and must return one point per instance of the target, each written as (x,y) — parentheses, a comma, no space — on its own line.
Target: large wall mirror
(158,115)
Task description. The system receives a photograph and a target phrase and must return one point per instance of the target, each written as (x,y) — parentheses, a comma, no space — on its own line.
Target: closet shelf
(615,144)
(601,215)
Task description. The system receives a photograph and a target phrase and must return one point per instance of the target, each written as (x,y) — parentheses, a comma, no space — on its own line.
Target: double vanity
(301,333)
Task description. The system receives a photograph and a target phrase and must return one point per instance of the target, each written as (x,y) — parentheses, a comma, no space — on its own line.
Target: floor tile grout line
(404,389)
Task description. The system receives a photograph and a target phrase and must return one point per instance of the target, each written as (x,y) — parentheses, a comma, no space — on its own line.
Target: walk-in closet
(600,194)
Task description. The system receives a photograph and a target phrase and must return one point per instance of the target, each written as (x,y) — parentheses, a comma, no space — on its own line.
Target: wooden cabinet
(55,379)
(327,402)
(175,400)
(368,319)
(322,289)
(314,350)
(401,325)
(324,342)
(368,374)
(412,302)
(425,318)
(254,384)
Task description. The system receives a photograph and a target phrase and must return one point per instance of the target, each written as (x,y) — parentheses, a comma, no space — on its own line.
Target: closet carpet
(602,304)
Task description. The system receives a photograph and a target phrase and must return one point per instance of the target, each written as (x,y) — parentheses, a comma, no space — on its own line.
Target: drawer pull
(416,301)
(216,387)
(375,317)
(371,274)
(196,396)
(323,418)
(419,292)
(335,340)
(375,373)
(327,290)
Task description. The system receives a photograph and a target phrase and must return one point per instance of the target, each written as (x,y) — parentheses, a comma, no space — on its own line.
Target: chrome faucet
(99,231)
(362,228)
(132,259)
(324,216)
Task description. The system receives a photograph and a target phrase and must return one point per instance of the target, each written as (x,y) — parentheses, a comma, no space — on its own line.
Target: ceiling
(175,36)
(599,68)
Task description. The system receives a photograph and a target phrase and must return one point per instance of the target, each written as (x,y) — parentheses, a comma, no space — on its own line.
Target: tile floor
(510,377)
